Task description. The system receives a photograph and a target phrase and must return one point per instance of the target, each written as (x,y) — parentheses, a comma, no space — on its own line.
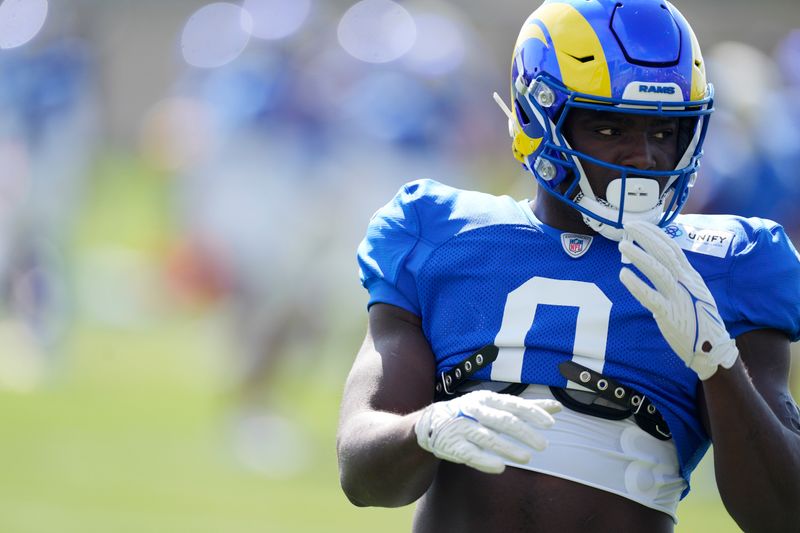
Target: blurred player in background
(593,339)
(241,217)
(47,129)
(277,151)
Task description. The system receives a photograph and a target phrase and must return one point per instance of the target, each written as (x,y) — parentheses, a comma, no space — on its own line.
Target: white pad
(641,194)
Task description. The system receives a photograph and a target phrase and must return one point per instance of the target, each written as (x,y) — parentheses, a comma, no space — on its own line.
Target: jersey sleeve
(405,233)
(392,235)
(764,282)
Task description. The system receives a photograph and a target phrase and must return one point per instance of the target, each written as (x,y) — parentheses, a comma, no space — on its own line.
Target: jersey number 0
(591,329)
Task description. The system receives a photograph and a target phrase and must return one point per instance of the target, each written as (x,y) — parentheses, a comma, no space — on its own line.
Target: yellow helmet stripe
(699,81)
(575,41)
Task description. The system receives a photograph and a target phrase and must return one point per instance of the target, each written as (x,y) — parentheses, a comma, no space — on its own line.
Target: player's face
(641,142)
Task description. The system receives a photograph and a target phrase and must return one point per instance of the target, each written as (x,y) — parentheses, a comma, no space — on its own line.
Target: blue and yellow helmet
(628,56)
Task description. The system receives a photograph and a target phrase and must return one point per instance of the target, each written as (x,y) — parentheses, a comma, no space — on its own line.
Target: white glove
(482,428)
(681,303)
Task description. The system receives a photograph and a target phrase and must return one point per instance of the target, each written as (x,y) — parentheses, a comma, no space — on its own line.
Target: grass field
(132,440)
(130,433)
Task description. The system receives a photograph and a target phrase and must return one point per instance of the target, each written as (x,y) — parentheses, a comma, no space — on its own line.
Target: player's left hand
(681,303)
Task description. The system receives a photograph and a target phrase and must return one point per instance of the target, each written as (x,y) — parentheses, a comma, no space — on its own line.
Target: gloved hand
(681,303)
(482,428)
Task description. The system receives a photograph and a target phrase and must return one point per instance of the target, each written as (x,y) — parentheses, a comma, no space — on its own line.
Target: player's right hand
(482,429)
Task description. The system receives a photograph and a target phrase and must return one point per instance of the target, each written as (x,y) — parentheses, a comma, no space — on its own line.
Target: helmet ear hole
(523,118)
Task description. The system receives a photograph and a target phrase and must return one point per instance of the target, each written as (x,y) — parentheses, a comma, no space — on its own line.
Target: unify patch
(704,241)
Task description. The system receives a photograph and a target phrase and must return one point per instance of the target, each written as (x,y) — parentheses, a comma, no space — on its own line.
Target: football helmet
(627,56)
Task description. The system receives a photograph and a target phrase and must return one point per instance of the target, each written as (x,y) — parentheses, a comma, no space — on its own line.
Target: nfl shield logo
(575,244)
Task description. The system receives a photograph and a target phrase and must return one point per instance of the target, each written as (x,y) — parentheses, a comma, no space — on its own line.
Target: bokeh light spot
(215,35)
(440,47)
(176,134)
(20,21)
(277,19)
(377,31)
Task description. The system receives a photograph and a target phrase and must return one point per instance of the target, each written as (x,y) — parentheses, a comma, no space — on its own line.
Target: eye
(607,131)
(664,134)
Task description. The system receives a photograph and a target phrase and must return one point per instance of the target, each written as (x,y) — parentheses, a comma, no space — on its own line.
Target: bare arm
(380,462)
(755,427)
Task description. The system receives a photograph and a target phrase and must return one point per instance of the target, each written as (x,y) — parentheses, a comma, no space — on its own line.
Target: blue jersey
(481,269)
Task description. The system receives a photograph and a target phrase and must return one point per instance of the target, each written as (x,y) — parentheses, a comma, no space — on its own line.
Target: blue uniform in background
(481,269)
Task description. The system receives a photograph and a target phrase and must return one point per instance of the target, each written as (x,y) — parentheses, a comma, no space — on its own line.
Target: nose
(637,152)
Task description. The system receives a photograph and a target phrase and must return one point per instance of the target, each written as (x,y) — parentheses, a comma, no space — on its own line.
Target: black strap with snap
(605,398)
(456,381)
(449,381)
(618,401)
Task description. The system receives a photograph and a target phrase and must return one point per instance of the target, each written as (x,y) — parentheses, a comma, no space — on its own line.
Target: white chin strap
(642,202)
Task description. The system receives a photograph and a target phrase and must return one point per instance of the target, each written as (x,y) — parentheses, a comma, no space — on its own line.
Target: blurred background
(182,189)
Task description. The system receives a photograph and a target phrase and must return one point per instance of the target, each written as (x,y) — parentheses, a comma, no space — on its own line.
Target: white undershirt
(612,455)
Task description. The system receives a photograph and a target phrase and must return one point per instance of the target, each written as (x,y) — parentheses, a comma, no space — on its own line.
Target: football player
(594,339)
